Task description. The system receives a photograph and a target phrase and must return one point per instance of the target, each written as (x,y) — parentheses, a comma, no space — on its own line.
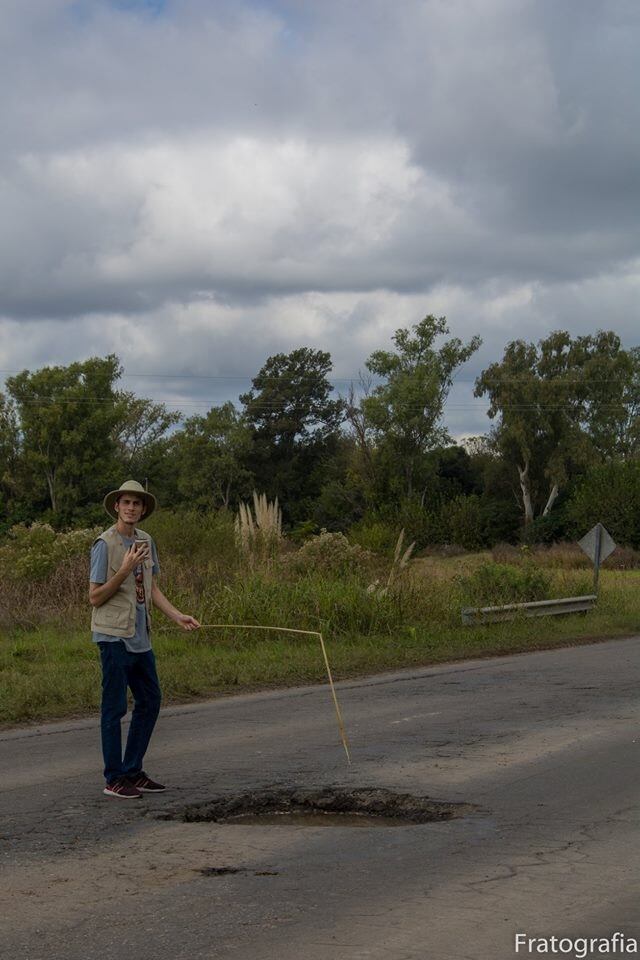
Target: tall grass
(374,613)
(53,671)
(259,533)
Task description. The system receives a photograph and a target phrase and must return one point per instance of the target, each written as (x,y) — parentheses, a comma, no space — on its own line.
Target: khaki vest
(117,616)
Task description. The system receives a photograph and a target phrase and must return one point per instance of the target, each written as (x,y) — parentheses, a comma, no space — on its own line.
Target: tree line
(564,441)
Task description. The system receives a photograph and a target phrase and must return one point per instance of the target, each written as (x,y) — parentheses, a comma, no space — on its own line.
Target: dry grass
(57,598)
(564,556)
(444,551)
(437,568)
(259,534)
(400,560)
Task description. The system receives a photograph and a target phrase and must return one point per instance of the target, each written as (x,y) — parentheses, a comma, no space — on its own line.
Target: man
(122,589)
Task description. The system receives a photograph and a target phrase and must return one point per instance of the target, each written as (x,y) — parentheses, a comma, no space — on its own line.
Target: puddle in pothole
(325,807)
(312,818)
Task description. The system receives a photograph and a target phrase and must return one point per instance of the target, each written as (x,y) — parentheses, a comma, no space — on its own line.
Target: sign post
(598,545)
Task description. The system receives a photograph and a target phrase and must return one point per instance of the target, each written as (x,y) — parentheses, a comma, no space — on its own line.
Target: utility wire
(290,378)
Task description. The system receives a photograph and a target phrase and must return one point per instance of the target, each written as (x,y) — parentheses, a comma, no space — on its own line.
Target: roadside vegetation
(376,610)
(340,472)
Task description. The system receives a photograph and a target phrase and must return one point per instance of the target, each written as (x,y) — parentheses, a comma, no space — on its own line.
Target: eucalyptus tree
(560,405)
(141,430)
(611,395)
(9,457)
(404,410)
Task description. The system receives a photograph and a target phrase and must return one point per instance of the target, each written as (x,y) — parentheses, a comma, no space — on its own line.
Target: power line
(357,378)
(275,406)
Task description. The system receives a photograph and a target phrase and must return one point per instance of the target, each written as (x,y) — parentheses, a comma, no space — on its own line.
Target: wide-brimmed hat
(130,486)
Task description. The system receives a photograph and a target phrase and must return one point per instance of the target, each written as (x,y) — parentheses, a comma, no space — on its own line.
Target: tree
(67,418)
(457,473)
(142,429)
(144,444)
(210,451)
(294,425)
(609,493)
(364,467)
(611,394)
(405,411)
(9,453)
(560,405)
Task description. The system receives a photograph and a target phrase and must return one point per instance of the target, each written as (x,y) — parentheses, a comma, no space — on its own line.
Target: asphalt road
(544,745)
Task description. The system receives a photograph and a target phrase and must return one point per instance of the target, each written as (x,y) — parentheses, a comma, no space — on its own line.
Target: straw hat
(130,486)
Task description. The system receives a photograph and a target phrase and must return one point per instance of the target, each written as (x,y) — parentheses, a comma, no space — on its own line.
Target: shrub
(377,536)
(328,553)
(501,520)
(493,584)
(547,529)
(302,531)
(194,536)
(434,529)
(465,522)
(34,552)
(338,507)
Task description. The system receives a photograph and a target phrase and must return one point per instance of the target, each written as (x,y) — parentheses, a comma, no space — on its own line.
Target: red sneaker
(122,789)
(144,783)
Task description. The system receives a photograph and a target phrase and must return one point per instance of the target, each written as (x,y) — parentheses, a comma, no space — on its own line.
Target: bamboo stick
(309,633)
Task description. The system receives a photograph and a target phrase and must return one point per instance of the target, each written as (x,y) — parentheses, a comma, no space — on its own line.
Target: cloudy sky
(197,184)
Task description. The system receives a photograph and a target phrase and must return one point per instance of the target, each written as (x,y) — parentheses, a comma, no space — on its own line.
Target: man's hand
(187,622)
(134,557)
(99,593)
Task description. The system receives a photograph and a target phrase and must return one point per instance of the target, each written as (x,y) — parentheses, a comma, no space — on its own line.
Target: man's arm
(166,607)
(99,593)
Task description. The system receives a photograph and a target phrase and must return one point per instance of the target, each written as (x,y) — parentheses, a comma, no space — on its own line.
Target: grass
(51,669)
(374,614)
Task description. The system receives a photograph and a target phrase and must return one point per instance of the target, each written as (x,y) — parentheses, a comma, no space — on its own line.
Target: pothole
(225,871)
(327,807)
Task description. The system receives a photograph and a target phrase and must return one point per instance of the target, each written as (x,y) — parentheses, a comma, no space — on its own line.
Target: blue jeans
(121,669)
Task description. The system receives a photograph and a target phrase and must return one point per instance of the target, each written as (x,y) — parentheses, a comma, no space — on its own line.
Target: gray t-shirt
(140,641)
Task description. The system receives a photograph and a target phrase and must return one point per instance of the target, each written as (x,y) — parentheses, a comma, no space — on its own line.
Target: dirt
(328,806)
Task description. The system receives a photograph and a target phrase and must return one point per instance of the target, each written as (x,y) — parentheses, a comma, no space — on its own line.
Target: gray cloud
(198,184)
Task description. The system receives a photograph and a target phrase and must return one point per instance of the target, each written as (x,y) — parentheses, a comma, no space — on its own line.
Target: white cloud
(200,188)
(243,217)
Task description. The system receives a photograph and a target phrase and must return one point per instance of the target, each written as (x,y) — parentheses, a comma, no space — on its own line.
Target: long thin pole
(596,567)
(309,633)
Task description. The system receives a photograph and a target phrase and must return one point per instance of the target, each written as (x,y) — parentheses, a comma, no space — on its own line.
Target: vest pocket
(113,615)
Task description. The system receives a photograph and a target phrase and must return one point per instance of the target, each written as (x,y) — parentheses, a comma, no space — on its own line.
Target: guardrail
(536,608)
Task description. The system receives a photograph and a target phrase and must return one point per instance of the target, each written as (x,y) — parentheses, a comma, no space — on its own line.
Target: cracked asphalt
(545,746)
